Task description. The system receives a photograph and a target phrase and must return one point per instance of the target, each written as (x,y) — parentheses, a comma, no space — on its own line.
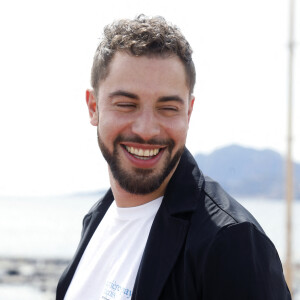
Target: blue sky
(47,143)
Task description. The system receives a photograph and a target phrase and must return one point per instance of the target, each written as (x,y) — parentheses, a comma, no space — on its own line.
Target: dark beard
(140,181)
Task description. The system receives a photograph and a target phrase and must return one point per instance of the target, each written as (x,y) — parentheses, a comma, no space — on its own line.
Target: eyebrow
(123,93)
(134,96)
(170,98)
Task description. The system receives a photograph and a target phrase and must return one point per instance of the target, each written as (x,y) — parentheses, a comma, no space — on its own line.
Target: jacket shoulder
(243,262)
(225,207)
(236,254)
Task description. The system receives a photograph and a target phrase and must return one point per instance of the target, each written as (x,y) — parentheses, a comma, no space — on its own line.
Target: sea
(50,227)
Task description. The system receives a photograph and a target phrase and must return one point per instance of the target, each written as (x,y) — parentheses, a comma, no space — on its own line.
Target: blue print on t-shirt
(114,291)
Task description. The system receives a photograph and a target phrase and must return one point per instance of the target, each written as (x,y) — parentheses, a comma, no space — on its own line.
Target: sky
(48,146)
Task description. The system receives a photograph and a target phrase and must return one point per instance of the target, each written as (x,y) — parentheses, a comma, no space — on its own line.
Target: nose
(146,125)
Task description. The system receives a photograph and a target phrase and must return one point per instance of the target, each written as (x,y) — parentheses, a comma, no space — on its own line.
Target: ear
(91,102)
(191,105)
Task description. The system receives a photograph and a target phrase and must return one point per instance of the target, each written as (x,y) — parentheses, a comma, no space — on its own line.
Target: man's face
(142,118)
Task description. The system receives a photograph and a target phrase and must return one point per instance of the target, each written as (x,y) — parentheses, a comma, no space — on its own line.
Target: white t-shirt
(109,265)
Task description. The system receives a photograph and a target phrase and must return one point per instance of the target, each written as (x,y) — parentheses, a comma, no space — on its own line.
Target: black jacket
(202,245)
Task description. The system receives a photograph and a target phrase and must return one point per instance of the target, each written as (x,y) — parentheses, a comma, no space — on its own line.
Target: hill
(247,172)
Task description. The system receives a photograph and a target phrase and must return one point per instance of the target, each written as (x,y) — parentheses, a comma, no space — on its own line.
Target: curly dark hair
(150,36)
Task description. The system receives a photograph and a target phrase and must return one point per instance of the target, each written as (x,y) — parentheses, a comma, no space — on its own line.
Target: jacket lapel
(90,223)
(163,247)
(169,230)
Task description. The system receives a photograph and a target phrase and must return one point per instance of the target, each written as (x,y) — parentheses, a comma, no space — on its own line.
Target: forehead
(145,72)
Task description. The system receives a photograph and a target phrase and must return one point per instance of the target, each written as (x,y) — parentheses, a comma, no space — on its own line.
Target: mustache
(137,139)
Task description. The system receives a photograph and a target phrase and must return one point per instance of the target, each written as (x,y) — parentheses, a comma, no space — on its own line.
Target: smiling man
(142,111)
(163,230)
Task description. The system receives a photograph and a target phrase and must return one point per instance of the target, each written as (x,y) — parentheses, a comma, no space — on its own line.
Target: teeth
(142,152)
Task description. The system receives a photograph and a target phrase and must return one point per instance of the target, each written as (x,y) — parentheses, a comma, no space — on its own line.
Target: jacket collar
(169,229)
(180,196)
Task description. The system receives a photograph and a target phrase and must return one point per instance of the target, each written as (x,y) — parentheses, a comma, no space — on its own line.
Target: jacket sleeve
(242,263)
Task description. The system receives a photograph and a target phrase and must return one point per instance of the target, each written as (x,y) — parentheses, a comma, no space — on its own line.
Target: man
(163,230)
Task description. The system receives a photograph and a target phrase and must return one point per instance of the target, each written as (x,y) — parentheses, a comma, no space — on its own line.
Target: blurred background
(51,170)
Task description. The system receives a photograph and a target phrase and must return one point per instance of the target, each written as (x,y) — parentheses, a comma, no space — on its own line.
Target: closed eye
(172,108)
(169,110)
(126,104)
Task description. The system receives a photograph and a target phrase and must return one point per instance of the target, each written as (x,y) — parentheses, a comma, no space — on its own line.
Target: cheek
(110,126)
(105,129)
(177,129)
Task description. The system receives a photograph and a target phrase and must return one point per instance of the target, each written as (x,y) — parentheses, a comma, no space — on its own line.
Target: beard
(139,181)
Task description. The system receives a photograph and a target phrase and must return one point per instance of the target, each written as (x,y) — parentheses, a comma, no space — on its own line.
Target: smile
(144,154)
